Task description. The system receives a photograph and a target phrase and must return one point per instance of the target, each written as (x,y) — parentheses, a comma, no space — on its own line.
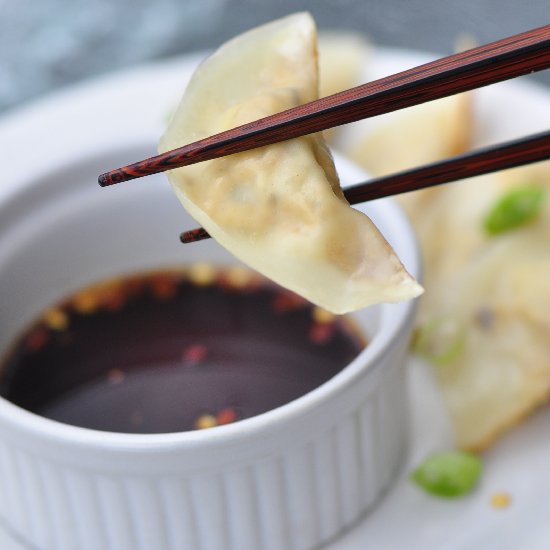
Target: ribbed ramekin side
(310,486)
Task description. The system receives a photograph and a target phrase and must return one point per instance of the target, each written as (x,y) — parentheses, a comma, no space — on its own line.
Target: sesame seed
(321,315)
(205,421)
(202,274)
(85,302)
(237,276)
(56,319)
(500,500)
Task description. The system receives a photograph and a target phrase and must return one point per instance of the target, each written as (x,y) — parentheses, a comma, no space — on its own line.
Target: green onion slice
(515,208)
(448,474)
(441,340)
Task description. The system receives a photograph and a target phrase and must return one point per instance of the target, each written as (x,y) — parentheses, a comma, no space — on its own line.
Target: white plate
(130,109)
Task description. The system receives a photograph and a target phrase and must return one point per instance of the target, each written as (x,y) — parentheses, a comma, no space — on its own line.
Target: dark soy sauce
(175,351)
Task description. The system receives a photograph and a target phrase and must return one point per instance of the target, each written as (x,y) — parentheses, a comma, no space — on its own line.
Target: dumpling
(342,56)
(279,208)
(493,326)
(446,130)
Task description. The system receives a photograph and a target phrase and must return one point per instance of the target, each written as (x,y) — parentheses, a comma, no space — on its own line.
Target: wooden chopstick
(501,60)
(482,161)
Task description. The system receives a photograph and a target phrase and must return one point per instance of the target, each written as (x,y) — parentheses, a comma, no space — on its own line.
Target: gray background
(46,44)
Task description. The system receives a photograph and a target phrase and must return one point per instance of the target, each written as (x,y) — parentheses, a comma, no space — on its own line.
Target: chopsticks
(501,60)
(482,161)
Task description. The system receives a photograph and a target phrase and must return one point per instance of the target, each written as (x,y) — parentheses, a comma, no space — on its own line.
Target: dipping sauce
(175,351)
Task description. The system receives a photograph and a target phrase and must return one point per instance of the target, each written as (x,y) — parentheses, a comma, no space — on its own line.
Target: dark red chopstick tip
(105,180)
(194,235)
(113,177)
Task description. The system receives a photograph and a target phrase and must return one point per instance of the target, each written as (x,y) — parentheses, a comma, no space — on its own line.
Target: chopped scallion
(440,340)
(515,208)
(448,474)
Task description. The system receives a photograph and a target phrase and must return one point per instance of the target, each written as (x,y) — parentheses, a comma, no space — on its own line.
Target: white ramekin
(292,478)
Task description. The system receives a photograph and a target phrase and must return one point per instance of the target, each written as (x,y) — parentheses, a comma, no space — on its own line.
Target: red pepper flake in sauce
(37,339)
(226,416)
(195,353)
(285,301)
(115,376)
(137,418)
(321,333)
(114,301)
(164,287)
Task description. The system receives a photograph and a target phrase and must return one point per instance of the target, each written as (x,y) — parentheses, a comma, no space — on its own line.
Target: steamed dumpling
(495,291)
(422,134)
(279,208)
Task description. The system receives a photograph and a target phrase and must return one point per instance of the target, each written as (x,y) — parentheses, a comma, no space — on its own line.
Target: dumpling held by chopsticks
(279,208)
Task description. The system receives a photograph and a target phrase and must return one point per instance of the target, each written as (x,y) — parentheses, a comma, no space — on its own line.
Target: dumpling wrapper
(279,208)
